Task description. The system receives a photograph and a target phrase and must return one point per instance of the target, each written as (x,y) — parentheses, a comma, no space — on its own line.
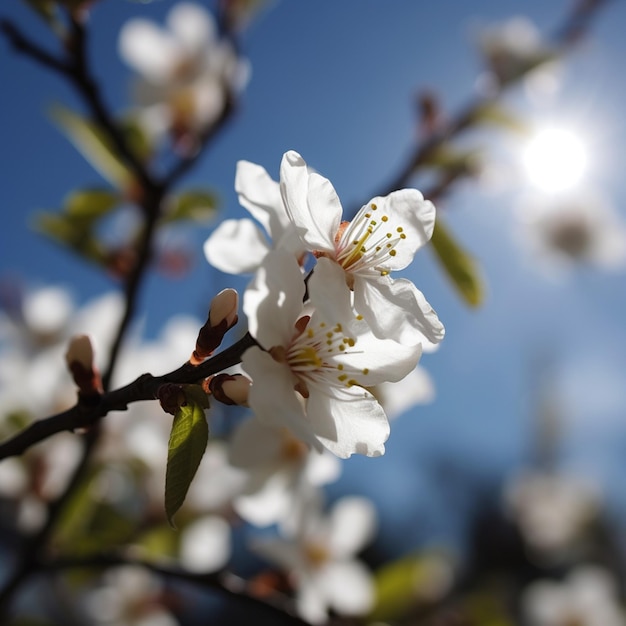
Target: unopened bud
(222,317)
(171,397)
(230,388)
(79,359)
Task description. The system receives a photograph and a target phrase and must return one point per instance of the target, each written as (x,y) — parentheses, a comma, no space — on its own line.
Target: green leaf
(91,204)
(449,159)
(403,584)
(188,441)
(72,233)
(460,266)
(197,205)
(494,114)
(136,138)
(93,145)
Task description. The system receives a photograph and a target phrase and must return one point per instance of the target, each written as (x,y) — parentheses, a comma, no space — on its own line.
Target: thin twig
(224,582)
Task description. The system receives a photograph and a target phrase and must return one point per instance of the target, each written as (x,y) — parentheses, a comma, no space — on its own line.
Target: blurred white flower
(320,558)
(417,387)
(568,229)
(587,597)
(512,48)
(552,510)
(205,544)
(127,596)
(187,72)
(239,246)
(279,469)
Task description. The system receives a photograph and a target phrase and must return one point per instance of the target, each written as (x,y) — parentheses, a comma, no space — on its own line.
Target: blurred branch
(225,582)
(574,27)
(143,388)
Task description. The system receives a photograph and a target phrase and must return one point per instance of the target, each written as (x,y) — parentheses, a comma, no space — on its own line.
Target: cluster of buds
(80,362)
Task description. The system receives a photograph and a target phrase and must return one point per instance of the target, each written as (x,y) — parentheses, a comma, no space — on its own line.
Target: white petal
(396,309)
(192,26)
(310,599)
(353,525)
(349,587)
(148,49)
(272,397)
(261,196)
(374,361)
(273,299)
(311,202)
(329,292)
(267,506)
(406,210)
(254,443)
(285,554)
(236,247)
(352,422)
(205,544)
(396,398)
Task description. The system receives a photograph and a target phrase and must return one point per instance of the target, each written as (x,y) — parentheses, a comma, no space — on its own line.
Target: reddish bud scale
(230,389)
(87,380)
(171,397)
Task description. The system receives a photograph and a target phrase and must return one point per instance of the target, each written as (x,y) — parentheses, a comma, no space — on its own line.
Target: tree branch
(83,415)
(224,582)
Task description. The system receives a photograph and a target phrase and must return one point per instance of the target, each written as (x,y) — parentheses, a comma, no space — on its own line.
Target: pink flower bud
(230,388)
(79,359)
(222,317)
(224,308)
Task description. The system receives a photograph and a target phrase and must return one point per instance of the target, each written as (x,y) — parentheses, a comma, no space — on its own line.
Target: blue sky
(336,81)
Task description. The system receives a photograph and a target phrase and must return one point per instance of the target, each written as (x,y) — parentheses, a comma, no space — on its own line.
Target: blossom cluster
(327,338)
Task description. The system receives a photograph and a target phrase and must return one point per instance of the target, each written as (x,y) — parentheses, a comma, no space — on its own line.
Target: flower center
(366,243)
(312,356)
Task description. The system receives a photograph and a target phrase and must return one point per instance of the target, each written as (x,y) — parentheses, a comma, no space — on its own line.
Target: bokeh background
(338,82)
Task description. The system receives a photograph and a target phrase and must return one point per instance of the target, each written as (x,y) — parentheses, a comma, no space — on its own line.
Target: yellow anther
(340,366)
(402,236)
(392,253)
(374,207)
(366,371)
(342,377)
(384,218)
(359,317)
(399,229)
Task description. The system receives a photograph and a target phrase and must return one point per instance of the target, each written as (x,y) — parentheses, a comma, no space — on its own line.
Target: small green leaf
(92,144)
(136,137)
(72,233)
(450,159)
(496,115)
(460,266)
(197,205)
(91,204)
(188,441)
(404,584)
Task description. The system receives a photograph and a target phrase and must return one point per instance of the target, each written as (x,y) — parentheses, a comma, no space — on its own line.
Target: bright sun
(555,160)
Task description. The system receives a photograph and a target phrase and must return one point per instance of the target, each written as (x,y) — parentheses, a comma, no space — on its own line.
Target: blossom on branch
(319,557)
(383,237)
(327,361)
(187,72)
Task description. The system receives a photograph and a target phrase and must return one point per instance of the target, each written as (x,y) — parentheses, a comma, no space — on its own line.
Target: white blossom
(280,469)
(587,597)
(327,360)
(320,558)
(383,237)
(569,229)
(186,71)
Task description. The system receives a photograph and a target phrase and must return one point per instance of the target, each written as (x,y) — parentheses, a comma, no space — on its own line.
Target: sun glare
(555,160)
